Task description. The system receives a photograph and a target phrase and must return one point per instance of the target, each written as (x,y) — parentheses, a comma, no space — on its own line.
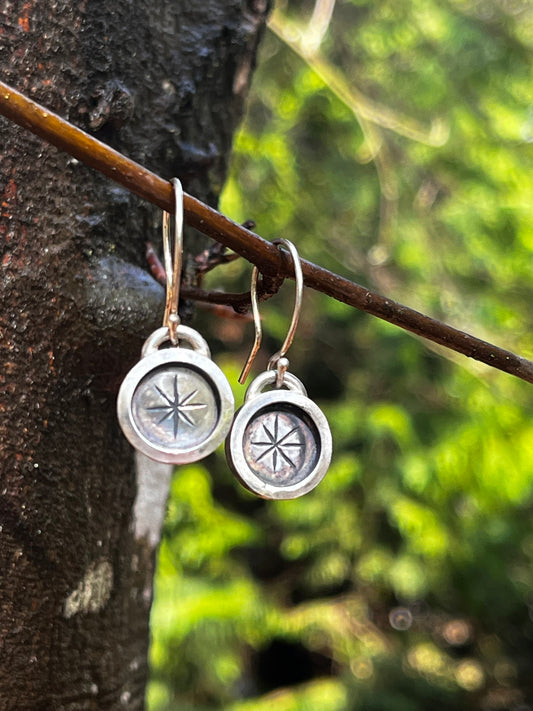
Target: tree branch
(268,258)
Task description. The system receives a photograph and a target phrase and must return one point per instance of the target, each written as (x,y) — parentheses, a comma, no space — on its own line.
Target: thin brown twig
(209,259)
(238,301)
(269,259)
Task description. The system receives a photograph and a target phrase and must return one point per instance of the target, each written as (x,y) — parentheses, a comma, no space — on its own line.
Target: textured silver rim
(212,375)
(235,444)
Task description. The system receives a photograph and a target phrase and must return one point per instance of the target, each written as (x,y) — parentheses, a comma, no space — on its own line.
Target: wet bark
(163,82)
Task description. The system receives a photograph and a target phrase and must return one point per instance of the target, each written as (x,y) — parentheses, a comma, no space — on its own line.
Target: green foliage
(400,154)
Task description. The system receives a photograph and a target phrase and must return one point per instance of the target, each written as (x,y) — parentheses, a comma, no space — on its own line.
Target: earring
(175,405)
(279,445)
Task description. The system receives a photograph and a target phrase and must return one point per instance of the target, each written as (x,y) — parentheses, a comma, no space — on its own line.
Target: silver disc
(175,405)
(280,444)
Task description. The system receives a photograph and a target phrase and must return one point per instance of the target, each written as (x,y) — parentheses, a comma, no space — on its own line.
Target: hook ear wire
(257,326)
(172,260)
(276,359)
(299,279)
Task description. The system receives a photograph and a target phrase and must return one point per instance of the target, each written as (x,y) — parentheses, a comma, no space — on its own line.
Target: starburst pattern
(277,444)
(177,408)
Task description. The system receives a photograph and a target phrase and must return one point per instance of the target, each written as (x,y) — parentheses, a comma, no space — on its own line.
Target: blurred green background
(392,141)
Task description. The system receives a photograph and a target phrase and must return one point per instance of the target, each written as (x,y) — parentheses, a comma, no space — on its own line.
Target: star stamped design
(278,443)
(176,408)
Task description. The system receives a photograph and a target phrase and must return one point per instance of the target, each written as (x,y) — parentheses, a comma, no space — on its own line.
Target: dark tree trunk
(164,83)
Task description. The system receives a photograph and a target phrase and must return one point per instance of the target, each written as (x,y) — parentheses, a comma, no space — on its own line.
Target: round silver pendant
(175,405)
(279,444)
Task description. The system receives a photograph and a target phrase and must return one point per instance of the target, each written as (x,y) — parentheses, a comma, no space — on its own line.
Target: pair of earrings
(176,406)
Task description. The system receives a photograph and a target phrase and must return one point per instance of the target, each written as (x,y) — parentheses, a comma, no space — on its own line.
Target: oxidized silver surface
(279,445)
(175,405)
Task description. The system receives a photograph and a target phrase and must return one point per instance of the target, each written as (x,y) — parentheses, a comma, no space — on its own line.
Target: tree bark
(163,82)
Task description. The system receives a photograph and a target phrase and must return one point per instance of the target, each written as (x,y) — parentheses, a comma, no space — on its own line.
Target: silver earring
(279,445)
(175,405)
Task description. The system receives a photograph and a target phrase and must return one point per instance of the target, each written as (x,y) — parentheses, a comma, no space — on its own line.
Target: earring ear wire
(278,360)
(173,259)
(258,332)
